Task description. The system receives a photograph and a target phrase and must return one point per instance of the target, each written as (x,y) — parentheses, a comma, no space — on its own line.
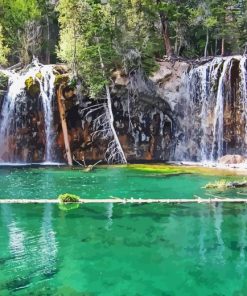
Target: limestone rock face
(232,159)
(169,116)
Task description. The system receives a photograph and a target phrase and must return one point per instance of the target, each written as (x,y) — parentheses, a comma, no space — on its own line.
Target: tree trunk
(206,45)
(111,118)
(64,125)
(216,47)
(48,56)
(223,47)
(165,31)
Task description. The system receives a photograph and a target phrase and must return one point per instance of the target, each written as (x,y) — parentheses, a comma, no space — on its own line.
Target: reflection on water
(130,249)
(218,220)
(47,242)
(109,213)
(242,244)
(31,250)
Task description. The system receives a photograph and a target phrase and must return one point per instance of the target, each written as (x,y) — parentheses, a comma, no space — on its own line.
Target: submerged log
(128,200)
(64,125)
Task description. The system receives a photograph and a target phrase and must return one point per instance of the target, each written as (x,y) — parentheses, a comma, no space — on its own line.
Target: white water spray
(17,95)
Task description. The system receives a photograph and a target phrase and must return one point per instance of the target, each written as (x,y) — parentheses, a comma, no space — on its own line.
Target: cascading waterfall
(47,94)
(214,120)
(243,66)
(16,114)
(218,130)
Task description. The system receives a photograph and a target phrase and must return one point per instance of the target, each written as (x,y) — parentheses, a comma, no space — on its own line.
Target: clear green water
(123,250)
(101,183)
(108,249)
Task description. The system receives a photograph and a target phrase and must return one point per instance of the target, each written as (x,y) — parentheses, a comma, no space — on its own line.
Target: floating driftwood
(128,200)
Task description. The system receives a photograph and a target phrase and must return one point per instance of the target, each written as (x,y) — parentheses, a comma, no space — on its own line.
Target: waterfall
(213,121)
(47,93)
(218,129)
(243,89)
(16,127)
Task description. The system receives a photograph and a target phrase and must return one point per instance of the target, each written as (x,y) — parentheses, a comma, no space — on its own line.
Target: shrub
(67,197)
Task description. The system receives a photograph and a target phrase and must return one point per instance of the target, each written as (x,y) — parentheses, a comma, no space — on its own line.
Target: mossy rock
(32,85)
(39,75)
(225,184)
(67,197)
(61,79)
(4,80)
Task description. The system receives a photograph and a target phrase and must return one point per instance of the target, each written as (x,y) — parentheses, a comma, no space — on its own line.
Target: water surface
(123,250)
(32,183)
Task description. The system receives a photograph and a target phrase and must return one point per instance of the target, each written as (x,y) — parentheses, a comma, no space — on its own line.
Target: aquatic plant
(224,184)
(67,197)
(220,184)
(68,207)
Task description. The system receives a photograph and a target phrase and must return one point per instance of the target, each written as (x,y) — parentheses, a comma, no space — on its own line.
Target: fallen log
(16,67)
(129,201)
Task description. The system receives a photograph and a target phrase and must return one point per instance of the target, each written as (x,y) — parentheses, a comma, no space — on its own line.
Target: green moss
(68,207)
(175,169)
(61,79)
(32,85)
(67,197)
(225,184)
(39,75)
(221,184)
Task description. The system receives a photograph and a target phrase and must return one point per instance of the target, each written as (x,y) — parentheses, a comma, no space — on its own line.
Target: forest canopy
(127,33)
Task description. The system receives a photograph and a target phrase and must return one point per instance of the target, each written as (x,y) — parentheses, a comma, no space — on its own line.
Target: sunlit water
(44,183)
(123,250)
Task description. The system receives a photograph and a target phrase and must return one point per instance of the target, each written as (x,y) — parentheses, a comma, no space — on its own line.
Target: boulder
(232,159)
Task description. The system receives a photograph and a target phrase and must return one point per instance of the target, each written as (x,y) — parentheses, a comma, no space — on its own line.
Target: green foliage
(25,24)
(115,29)
(67,197)
(3,81)
(4,50)
(118,28)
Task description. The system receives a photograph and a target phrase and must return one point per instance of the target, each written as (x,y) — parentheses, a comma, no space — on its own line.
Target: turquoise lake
(107,249)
